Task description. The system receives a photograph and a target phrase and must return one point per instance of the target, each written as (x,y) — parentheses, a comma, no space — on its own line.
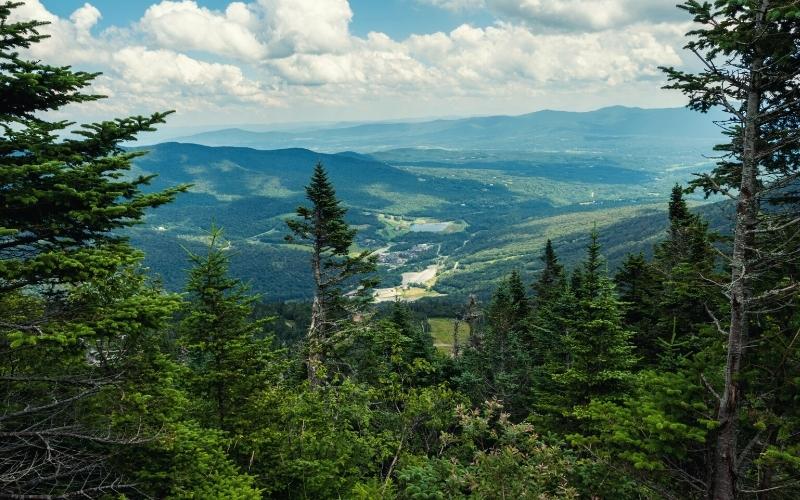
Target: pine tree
(420,342)
(502,362)
(62,200)
(678,211)
(588,285)
(688,238)
(551,281)
(749,51)
(685,269)
(519,299)
(544,336)
(225,348)
(322,226)
(472,316)
(74,309)
(600,354)
(638,288)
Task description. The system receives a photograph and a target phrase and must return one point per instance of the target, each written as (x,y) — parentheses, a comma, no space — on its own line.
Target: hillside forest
(671,375)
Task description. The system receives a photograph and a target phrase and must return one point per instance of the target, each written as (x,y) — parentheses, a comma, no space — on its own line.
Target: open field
(426,277)
(442,333)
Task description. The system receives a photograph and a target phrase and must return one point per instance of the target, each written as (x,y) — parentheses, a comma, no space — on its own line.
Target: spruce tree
(639,290)
(678,211)
(420,345)
(600,353)
(749,55)
(75,312)
(688,238)
(226,351)
(323,228)
(544,336)
(551,280)
(685,269)
(519,299)
(501,365)
(63,201)
(587,285)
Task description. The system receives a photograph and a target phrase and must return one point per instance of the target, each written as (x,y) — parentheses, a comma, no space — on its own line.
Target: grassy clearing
(393,226)
(269,187)
(409,294)
(397,225)
(442,333)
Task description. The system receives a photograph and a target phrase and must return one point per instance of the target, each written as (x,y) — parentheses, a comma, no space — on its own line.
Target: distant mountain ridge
(541,130)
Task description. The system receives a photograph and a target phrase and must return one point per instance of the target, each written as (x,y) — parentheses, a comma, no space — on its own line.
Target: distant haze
(540,131)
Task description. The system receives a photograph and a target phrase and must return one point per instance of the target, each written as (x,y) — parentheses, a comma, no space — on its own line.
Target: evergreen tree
(74,310)
(322,226)
(685,270)
(520,306)
(600,355)
(421,342)
(551,281)
(638,288)
(544,336)
(688,238)
(501,365)
(61,199)
(588,284)
(472,316)
(678,211)
(749,51)
(225,349)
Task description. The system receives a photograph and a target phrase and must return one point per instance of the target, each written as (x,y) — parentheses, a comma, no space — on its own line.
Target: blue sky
(221,62)
(396,18)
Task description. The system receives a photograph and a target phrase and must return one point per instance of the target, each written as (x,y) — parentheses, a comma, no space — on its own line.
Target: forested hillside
(549,373)
(472,215)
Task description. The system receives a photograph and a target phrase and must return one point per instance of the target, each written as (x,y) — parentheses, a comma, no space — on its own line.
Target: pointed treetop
(591,274)
(519,299)
(549,258)
(551,282)
(678,211)
(594,260)
(323,221)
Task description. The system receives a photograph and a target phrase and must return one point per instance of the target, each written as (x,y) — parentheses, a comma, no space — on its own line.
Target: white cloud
(489,60)
(164,73)
(307,26)
(573,15)
(70,40)
(455,5)
(187,26)
(264,54)
(251,31)
(374,64)
(85,18)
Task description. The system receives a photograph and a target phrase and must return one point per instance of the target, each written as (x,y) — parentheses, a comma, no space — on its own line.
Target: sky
(223,63)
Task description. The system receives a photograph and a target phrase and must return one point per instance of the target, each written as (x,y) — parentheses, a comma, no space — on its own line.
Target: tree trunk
(456,345)
(724,480)
(315,332)
(316,329)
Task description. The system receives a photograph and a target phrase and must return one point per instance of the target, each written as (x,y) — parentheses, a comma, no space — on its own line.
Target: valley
(445,220)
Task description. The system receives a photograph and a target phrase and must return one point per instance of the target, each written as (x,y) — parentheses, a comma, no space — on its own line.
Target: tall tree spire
(322,227)
(551,281)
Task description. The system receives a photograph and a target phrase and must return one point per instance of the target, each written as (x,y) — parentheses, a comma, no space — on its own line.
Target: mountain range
(539,131)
